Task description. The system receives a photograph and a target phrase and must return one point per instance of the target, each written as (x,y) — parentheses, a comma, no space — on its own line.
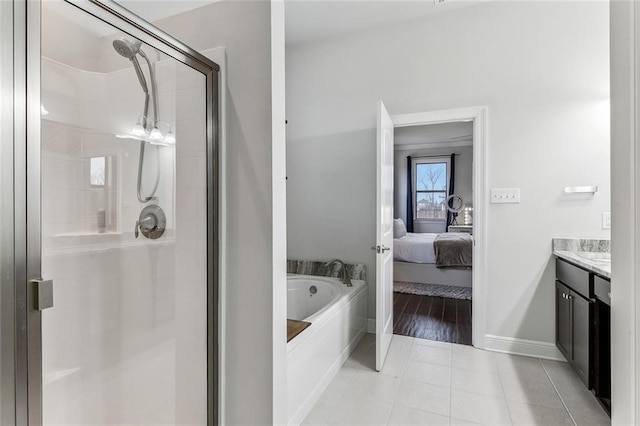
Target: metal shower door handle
(43,294)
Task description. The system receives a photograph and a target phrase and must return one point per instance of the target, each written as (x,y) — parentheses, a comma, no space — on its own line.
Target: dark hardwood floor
(433,318)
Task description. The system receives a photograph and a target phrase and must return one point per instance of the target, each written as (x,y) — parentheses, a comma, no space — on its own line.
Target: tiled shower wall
(125,342)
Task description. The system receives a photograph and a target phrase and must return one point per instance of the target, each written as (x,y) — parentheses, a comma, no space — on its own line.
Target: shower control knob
(151,223)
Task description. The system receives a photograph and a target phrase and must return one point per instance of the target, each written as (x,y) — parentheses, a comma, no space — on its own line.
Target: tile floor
(436,383)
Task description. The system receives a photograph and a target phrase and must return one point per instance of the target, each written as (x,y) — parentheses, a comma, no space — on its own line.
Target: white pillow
(399,230)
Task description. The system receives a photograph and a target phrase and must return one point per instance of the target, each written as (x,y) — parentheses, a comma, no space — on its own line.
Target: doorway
(477,116)
(434,199)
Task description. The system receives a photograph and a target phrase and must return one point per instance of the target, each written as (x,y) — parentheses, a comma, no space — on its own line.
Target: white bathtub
(337,314)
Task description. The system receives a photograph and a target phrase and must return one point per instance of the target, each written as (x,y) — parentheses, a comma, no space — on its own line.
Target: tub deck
(295,327)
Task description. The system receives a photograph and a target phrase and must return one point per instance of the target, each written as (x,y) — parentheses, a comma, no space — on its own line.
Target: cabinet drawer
(602,289)
(574,277)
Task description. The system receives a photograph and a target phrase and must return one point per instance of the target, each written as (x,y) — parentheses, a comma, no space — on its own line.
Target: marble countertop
(598,265)
(593,255)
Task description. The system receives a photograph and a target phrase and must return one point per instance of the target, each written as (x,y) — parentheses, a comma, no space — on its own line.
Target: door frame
(27,204)
(479,116)
(625,210)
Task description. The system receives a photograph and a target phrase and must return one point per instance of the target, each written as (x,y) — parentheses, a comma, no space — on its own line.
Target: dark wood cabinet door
(581,331)
(564,321)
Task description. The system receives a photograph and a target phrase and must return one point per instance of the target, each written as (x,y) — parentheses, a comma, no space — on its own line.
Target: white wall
(244,29)
(544,76)
(625,297)
(463,181)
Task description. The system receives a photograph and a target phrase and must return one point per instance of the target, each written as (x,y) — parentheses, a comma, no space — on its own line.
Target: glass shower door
(123,227)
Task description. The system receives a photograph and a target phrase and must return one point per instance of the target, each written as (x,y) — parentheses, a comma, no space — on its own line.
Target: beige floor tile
(486,410)
(405,416)
(459,422)
(423,396)
(534,415)
(562,375)
(477,382)
(431,354)
(424,382)
(522,367)
(584,407)
(338,386)
(470,358)
(428,373)
(532,391)
(357,411)
(398,356)
(319,414)
(433,343)
(373,385)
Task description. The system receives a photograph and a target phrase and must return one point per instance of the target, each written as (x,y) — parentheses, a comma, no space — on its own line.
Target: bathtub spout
(342,271)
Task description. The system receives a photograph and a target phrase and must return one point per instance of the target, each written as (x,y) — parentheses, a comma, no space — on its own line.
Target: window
(431,183)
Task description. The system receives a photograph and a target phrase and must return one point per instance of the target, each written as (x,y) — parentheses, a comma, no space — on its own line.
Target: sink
(596,256)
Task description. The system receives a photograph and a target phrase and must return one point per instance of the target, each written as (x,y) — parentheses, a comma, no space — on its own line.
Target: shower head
(126,48)
(130,50)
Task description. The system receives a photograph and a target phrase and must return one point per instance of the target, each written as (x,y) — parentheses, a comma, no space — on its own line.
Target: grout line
(504,393)
(400,378)
(558,393)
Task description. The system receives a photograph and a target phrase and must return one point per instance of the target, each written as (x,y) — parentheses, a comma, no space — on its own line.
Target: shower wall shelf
(581,189)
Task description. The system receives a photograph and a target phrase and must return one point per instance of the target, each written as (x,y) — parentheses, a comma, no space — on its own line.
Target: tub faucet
(343,272)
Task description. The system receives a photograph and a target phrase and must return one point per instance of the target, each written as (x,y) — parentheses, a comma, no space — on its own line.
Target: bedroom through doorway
(433,231)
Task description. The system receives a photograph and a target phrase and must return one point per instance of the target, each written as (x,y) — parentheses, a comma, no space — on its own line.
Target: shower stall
(108,219)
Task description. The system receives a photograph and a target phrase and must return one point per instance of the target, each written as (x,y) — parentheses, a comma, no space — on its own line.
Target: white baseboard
(532,348)
(508,345)
(371,325)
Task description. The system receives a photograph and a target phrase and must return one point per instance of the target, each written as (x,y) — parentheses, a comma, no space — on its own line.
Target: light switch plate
(505,195)
(606,220)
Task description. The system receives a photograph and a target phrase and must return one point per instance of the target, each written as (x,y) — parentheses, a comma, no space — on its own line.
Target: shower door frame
(27,204)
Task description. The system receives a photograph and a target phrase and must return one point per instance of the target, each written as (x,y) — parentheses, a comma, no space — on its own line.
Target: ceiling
(309,20)
(434,134)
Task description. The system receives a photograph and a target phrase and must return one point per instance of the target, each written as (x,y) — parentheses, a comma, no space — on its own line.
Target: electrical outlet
(606,220)
(505,195)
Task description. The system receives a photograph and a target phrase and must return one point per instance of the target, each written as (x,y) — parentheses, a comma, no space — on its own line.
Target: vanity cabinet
(583,327)
(573,331)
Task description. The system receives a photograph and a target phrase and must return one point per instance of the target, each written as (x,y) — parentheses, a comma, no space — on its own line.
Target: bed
(427,258)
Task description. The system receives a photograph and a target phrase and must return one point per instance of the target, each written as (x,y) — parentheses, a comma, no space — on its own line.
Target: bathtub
(337,314)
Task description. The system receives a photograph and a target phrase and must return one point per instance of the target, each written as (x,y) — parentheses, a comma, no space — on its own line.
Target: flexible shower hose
(140,165)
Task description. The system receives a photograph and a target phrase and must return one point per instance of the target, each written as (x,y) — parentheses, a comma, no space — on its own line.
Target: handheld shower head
(129,49)
(126,48)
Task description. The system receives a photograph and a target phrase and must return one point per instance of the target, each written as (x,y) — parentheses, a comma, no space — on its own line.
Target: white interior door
(384,236)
